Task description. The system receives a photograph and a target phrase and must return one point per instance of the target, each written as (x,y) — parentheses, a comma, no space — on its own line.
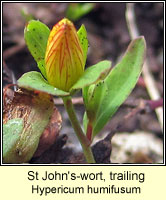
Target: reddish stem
(155,103)
(141,82)
(89,132)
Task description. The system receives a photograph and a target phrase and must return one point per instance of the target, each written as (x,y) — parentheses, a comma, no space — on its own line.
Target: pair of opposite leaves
(104,90)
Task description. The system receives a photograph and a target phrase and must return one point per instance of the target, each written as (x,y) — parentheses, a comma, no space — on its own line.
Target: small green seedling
(77,10)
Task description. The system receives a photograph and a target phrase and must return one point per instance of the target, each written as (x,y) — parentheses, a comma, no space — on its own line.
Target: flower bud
(64,57)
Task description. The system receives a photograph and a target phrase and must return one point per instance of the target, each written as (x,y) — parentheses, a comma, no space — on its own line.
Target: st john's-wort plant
(61,57)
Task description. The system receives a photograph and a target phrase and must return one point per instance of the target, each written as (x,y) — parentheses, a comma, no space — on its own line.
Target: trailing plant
(61,57)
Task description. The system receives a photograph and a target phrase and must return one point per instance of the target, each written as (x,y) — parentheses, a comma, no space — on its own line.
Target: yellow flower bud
(64,57)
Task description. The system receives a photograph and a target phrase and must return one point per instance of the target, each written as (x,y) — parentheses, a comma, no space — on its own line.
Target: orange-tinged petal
(64,56)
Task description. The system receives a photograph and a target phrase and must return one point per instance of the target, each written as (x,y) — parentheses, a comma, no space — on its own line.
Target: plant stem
(78,130)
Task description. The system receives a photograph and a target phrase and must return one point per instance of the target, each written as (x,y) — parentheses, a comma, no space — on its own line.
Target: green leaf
(120,82)
(76,10)
(82,35)
(11,134)
(93,75)
(93,98)
(36,113)
(34,81)
(36,35)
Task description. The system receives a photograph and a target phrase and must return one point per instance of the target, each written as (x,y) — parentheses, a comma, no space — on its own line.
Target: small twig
(130,103)
(79,101)
(142,108)
(75,101)
(148,78)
